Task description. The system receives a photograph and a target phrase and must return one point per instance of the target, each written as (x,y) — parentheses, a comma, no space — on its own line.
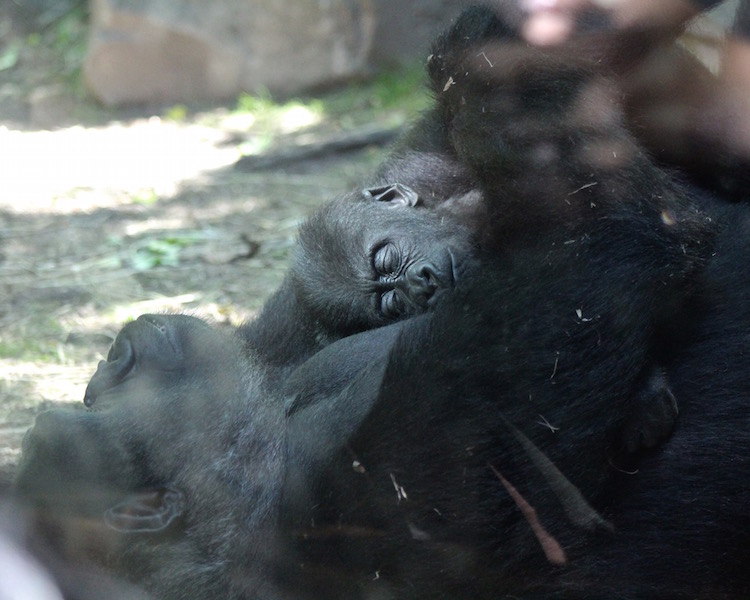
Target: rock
(167,51)
(404,30)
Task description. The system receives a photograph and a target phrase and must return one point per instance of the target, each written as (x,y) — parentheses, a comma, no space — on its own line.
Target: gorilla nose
(423,283)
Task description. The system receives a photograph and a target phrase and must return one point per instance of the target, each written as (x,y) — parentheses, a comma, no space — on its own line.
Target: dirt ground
(106,215)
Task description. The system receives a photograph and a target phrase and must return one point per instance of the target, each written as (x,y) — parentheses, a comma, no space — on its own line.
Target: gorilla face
(372,258)
(166,377)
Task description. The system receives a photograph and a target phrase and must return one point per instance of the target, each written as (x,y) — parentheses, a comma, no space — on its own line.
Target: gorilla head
(121,466)
(374,257)
(153,360)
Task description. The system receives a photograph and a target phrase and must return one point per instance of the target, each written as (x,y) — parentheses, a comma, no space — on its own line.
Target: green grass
(39,345)
(163,251)
(178,113)
(396,95)
(68,39)
(401,89)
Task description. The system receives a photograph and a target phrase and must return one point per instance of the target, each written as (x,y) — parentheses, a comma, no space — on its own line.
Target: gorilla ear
(394,194)
(147,511)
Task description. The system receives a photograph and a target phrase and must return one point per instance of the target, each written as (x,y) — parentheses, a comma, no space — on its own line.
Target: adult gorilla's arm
(544,135)
(329,395)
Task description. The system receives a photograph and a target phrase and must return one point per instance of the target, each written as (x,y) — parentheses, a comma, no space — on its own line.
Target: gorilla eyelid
(391,304)
(386,259)
(386,303)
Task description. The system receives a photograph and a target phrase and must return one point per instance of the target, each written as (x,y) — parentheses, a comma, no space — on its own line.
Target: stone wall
(185,50)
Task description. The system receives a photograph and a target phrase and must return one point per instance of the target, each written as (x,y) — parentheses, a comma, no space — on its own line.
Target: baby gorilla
(385,254)
(372,258)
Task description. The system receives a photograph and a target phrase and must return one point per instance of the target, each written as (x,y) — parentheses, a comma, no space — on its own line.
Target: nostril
(426,279)
(423,283)
(429,277)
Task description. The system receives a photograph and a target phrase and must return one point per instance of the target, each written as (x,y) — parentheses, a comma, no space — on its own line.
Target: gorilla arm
(544,136)
(330,394)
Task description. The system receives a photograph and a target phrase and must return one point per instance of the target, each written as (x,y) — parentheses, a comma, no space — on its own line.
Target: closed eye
(387,260)
(392,305)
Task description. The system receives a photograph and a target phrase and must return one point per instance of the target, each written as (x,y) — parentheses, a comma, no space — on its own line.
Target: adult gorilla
(175,479)
(393,463)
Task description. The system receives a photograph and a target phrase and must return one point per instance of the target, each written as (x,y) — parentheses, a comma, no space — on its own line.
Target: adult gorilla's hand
(550,22)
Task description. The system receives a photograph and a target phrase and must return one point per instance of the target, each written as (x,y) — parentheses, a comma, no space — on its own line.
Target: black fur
(384,464)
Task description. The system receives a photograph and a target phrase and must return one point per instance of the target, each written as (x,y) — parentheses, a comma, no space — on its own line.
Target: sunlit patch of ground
(60,171)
